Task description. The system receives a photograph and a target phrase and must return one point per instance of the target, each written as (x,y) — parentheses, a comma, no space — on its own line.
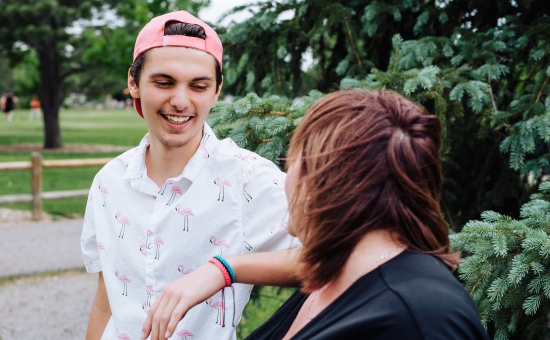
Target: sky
(213,13)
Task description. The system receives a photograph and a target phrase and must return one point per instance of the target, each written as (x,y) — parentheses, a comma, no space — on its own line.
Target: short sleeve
(88,243)
(265,209)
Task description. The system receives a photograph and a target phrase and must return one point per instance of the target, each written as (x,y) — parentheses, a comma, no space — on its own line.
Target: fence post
(36,186)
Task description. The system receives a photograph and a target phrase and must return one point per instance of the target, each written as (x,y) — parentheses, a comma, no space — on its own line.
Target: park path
(44,291)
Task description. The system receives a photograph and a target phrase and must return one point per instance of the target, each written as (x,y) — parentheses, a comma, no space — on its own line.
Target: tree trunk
(51,95)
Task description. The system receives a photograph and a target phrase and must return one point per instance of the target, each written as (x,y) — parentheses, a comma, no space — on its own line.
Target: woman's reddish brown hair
(368,160)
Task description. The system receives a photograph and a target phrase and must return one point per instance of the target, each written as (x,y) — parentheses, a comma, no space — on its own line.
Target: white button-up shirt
(226,201)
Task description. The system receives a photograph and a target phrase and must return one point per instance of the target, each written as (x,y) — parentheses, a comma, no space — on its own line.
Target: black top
(9,104)
(412,296)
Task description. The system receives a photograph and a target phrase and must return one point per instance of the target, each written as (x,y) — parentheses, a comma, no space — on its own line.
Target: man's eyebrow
(167,76)
(161,75)
(203,78)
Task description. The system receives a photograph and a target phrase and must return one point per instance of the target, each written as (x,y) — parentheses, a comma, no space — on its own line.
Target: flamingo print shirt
(226,201)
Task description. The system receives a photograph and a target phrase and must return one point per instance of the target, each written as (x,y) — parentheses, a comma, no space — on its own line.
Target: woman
(364,180)
(363,185)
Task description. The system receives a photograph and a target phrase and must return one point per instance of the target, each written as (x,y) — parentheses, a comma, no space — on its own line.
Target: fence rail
(36,165)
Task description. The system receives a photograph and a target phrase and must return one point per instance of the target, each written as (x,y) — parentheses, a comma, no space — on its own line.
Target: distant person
(182,197)
(9,105)
(35,109)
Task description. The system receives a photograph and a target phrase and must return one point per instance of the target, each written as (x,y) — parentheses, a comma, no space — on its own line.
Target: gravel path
(47,307)
(44,291)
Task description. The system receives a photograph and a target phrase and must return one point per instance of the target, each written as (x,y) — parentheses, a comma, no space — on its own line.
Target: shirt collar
(136,167)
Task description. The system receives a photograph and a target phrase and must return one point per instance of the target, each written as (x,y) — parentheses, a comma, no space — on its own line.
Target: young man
(162,209)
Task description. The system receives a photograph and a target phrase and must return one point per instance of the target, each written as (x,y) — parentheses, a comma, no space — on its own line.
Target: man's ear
(219,89)
(132,86)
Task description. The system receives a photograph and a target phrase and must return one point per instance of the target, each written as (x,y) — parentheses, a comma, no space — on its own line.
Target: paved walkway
(44,292)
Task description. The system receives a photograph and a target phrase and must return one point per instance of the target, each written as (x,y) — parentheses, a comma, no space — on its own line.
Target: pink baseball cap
(152,36)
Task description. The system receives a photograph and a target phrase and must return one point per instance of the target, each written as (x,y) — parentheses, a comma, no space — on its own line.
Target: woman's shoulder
(432,295)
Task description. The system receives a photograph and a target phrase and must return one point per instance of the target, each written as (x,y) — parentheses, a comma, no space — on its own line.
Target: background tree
(484,57)
(42,26)
(6,80)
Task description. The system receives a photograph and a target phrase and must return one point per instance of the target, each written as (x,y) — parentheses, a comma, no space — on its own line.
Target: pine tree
(480,66)
(507,268)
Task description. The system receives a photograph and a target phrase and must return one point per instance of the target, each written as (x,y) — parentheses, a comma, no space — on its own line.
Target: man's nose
(180,99)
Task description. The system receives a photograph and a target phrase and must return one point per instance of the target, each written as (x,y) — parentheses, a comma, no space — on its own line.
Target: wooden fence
(36,165)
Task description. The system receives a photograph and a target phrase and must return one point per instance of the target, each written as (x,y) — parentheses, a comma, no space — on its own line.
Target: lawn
(93,134)
(85,133)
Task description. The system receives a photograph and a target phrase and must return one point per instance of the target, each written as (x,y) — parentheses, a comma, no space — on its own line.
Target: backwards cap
(152,36)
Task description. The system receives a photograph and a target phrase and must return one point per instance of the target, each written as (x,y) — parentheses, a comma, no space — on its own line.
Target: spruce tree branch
(541,89)
(279,78)
(395,58)
(539,94)
(277,113)
(491,91)
(509,232)
(355,50)
(477,284)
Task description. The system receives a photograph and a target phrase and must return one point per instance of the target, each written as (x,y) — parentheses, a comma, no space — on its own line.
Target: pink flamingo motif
(184,334)
(145,307)
(282,224)
(143,249)
(246,194)
(186,213)
(100,246)
(222,184)
(205,138)
(277,181)
(149,235)
(161,191)
(125,280)
(175,191)
(123,221)
(204,151)
(103,189)
(123,336)
(158,243)
(150,292)
(221,244)
(220,307)
(247,158)
(182,270)
(247,245)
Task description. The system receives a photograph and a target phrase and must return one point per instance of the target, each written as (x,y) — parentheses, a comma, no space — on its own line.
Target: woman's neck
(374,249)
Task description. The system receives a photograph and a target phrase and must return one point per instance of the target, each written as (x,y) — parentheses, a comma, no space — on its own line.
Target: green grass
(122,128)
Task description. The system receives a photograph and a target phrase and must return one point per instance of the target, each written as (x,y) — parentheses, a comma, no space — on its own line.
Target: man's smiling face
(177,89)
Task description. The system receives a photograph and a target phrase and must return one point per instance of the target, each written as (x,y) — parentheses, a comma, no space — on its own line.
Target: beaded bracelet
(228,267)
(224,271)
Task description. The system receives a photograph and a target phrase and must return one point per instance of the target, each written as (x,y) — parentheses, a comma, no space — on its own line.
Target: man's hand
(178,297)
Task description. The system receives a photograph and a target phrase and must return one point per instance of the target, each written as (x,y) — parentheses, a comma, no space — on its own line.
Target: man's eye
(162,83)
(200,87)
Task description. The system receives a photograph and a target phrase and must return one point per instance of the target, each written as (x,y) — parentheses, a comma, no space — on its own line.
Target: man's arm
(101,311)
(273,269)
(266,269)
